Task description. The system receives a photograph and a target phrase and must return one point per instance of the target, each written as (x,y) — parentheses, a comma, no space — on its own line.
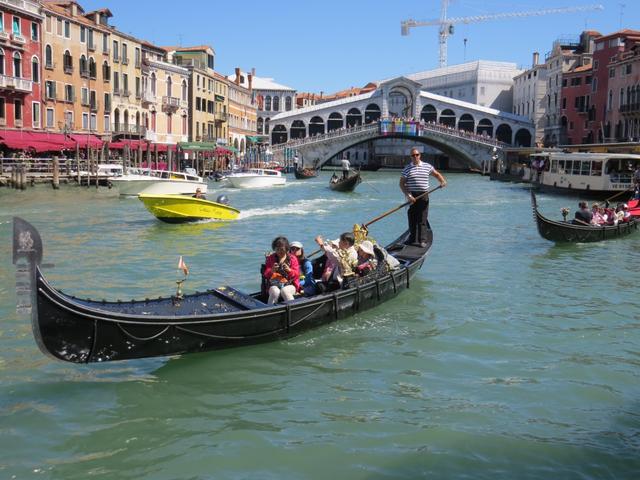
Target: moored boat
(158,182)
(184,208)
(83,330)
(596,175)
(565,231)
(348,184)
(256,178)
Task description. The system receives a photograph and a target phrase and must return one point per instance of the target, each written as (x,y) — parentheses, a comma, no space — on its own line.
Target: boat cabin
(601,172)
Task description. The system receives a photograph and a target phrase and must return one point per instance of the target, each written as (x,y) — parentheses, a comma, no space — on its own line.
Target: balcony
(21,85)
(68,69)
(26,6)
(221,117)
(17,38)
(630,108)
(125,93)
(4,36)
(124,129)
(84,73)
(148,98)
(92,47)
(170,104)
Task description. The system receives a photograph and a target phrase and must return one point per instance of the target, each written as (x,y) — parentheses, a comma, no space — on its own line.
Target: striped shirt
(417,176)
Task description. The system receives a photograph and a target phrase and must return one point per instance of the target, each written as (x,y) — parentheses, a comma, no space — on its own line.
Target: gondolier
(346,166)
(414,181)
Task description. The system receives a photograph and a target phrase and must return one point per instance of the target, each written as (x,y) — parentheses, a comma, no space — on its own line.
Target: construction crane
(446,24)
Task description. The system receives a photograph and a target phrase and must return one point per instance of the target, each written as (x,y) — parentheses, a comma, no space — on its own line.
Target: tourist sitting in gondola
(599,216)
(583,214)
(282,272)
(366,258)
(342,261)
(307,281)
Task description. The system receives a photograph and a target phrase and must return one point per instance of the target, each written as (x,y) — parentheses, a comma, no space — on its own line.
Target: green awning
(204,146)
(228,147)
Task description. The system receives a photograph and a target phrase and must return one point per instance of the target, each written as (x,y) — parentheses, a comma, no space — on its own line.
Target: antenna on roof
(179,39)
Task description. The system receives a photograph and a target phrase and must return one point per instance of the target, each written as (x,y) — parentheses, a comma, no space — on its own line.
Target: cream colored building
(221,108)
(126,85)
(165,97)
(243,111)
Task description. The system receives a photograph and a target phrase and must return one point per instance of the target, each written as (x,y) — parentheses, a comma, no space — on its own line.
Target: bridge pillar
(385,101)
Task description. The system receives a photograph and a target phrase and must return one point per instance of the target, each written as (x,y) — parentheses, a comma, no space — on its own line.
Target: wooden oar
(386,214)
(393,210)
(617,195)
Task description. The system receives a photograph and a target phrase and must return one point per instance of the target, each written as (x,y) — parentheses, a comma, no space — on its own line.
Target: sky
(331,45)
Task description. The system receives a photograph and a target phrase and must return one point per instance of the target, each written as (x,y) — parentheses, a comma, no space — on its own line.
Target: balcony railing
(121,128)
(630,108)
(221,117)
(68,69)
(148,97)
(170,104)
(30,7)
(94,106)
(15,83)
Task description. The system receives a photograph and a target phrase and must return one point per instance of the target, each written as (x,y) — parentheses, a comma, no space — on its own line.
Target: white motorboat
(158,182)
(256,178)
(104,174)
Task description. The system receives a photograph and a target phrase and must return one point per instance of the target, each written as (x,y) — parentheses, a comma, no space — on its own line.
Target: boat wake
(302,207)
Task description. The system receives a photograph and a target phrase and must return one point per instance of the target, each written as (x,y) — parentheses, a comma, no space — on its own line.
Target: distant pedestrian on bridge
(414,182)
(346,166)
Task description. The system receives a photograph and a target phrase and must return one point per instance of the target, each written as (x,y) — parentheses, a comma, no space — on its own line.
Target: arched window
(67,62)
(184,91)
(35,70)
(153,84)
(276,104)
(1,61)
(84,71)
(260,126)
(267,103)
(106,71)
(287,104)
(48,56)
(169,85)
(17,65)
(92,68)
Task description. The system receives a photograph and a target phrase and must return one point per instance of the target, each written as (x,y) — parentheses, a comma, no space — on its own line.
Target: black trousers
(417,214)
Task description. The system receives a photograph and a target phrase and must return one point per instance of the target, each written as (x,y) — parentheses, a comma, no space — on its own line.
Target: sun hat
(295,245)
(367,247)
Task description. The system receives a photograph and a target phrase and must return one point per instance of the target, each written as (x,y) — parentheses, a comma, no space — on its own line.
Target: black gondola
(82,330)
(348,184)
(565,231)
(305,173)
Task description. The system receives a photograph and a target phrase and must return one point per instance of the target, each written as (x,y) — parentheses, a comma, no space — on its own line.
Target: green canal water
(509,357)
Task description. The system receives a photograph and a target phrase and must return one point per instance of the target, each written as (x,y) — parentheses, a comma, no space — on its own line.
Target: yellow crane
(446,24)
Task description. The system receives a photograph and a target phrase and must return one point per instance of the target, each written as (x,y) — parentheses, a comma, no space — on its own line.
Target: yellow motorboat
(185,208)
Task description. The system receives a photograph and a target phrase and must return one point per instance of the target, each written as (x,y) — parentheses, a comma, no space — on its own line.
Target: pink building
(576,111)
(20,61)
(624,114)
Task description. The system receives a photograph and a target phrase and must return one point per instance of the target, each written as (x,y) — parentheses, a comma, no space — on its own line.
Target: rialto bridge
(464,130)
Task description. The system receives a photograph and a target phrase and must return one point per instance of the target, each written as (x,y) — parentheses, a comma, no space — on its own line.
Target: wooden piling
(55,182)
(23,177)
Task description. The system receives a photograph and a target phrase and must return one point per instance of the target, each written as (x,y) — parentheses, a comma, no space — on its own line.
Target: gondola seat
(242,300)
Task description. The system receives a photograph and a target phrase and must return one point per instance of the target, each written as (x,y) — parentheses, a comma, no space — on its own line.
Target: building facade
(624,116)
(20,64)
(165,97)
(126,107)
(243,113)
(485,83)
(529,89)
(221,107)
(576,114)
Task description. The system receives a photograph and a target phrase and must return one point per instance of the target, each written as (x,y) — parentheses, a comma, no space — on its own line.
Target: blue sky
(330,45)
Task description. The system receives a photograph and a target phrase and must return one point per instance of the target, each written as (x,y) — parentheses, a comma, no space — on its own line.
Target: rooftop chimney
(536,58)
(250,80)
(237,76)
(253,72)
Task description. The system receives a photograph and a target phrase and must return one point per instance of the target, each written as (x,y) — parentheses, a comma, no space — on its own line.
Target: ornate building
(243,112)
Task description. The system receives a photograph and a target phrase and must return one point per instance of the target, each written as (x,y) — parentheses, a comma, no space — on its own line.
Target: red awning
(84,141)
(35,141)
(222,151)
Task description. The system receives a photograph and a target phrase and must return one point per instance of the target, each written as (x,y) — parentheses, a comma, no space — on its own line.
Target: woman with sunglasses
(414,181)
(307,282)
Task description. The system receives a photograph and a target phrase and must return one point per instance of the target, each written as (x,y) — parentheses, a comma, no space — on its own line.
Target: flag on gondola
(183,266)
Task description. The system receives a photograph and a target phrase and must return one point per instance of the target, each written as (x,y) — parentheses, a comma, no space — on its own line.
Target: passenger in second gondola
(583,214)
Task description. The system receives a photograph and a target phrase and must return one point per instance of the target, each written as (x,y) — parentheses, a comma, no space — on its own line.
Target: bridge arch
(401,101)
(504,133)
(485,126)
(523,138)
(467,123)
(372,113)
(335,122)
(298,130)
(448,117)
(279,134)
(316,126)
(354,117)
(429,114)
